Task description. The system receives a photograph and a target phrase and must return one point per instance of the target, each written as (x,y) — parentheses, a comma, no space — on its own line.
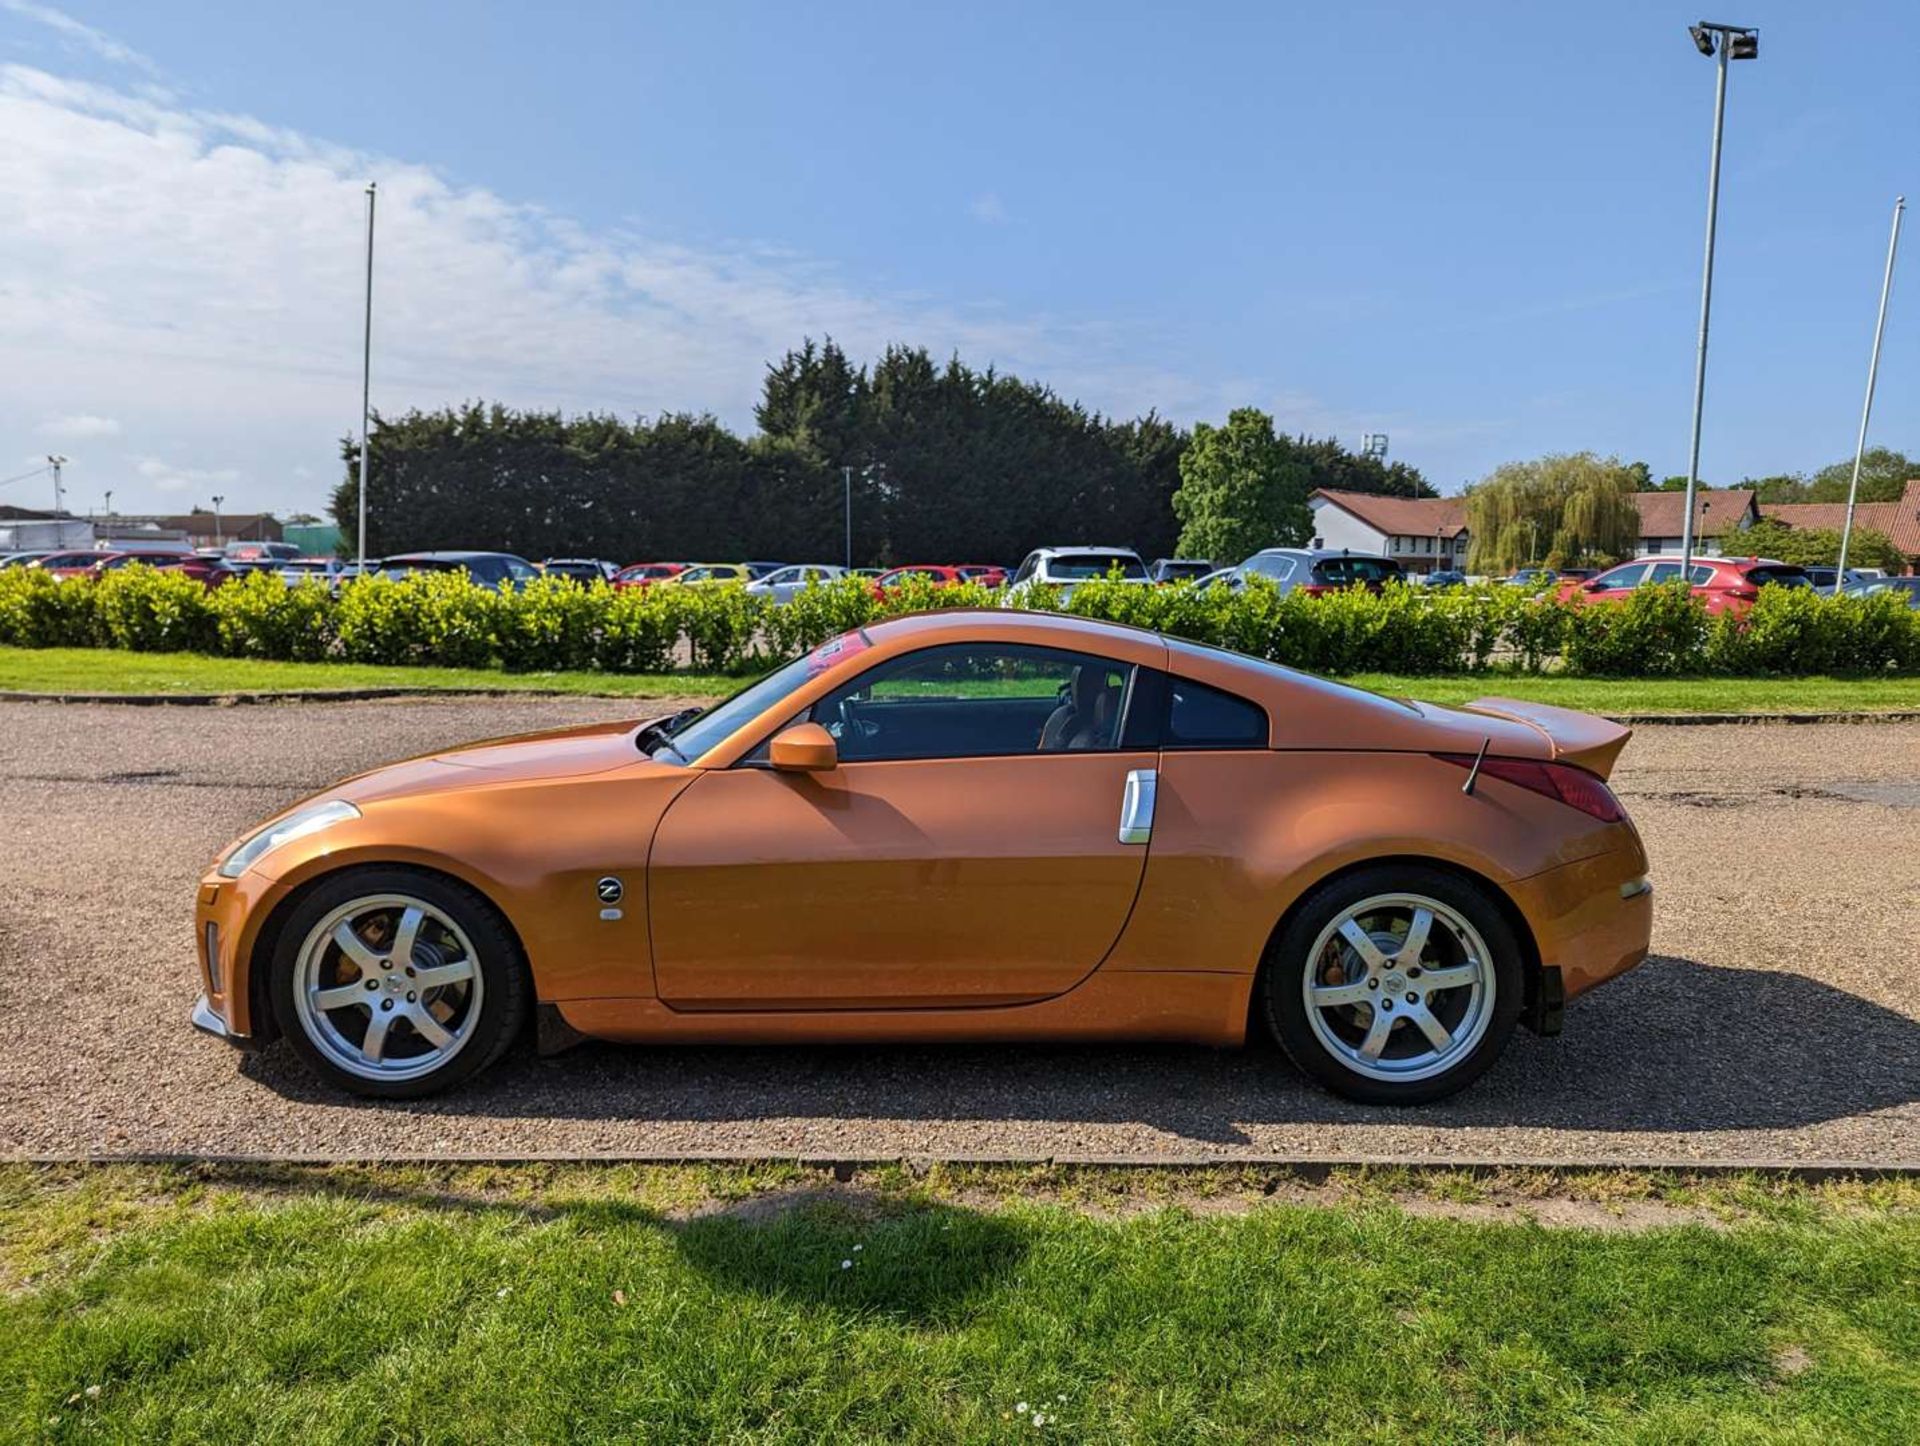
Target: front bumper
(208,1020)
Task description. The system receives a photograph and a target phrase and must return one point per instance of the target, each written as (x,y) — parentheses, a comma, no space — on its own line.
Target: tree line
(945,463)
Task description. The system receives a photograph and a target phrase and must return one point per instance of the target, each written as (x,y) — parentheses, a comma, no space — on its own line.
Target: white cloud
(165,477)
(79,427)
(199,276)
(988,209)
(80,34)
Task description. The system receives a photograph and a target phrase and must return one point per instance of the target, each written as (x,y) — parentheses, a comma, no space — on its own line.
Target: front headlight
(298,824)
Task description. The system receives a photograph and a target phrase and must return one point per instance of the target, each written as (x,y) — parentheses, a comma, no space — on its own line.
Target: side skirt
(1185,1007)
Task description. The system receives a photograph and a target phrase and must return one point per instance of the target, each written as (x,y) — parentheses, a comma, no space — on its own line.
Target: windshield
(689,740)
(1095,564)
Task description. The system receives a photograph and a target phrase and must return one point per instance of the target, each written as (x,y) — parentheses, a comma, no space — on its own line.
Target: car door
(950,859)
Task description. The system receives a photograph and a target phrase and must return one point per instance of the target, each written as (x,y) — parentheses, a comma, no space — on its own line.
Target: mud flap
(1546,1002)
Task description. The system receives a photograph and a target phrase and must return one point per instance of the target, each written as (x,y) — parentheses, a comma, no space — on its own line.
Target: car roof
(446,556)
(1068,548)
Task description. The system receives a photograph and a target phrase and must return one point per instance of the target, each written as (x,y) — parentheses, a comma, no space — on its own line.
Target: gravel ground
(1778,1020)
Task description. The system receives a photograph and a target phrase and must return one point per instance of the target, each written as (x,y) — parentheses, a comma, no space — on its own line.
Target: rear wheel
(1394,985)
(397,984)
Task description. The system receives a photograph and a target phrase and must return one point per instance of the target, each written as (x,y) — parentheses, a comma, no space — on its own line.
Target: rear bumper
(1592,920)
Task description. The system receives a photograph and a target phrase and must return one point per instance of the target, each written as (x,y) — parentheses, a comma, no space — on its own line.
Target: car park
(579,569)
(784,584)
(1179,569)
(1723,584)
(489,569)
(1206,842)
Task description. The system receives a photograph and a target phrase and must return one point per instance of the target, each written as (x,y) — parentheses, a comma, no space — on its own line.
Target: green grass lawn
(534,1304)
(88,670)
(105,670)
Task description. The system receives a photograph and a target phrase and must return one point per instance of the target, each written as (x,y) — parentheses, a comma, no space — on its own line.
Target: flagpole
(1866,409)
(366,387)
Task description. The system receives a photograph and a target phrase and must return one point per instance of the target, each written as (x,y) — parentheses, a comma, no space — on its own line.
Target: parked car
(1066,567)
(580,569)
(66,565)
(1179,569)
(939,574)
(708,574)
(261,554)
(1822,578)
(1909,587)
(1535,578)
(785,584)
(1444,578)
(1724,584)
(1386,888)
(645,574)
(987,574)
(1315,572)
(489,569)
(329,570)
(758,570)
(20,559)
(209,570)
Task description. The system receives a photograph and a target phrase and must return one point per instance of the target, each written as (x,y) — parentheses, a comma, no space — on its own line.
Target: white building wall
(1337,528)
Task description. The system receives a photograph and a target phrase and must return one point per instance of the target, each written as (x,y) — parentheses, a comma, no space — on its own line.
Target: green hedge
(556,625)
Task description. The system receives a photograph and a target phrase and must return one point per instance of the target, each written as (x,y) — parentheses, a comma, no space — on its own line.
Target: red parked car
(69,564)
(1724,584)
(645,574)
(207,569)
(984,573)
(939,574)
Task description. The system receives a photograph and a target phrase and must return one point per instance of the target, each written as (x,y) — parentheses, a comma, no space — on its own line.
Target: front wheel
(396,984)
(1394,985)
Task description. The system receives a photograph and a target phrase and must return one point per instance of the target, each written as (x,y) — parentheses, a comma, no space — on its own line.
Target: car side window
(1277,568)
(1700,576)
(1628,576)
(1661,572)
(1199,716)
(1026,568)
(977,700)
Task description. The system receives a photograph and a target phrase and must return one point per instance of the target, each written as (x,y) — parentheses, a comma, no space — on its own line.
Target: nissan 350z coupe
(953,826)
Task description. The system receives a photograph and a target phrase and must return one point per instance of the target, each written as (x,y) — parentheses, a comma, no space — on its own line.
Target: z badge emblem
(609,889)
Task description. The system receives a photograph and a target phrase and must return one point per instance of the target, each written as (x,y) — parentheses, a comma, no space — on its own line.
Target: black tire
(505,994)
(1280,1000)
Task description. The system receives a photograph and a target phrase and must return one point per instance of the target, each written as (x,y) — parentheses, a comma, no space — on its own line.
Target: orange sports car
(960,825)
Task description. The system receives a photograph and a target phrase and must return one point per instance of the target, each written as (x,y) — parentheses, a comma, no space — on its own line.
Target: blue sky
(1474,227)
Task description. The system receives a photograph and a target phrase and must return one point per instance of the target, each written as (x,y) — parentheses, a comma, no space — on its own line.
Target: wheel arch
(1530,961)
(266,939)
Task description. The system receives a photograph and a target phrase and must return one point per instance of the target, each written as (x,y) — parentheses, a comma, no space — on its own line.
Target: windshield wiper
(661,729)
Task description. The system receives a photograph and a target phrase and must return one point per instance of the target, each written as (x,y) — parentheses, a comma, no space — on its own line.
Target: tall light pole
(1866,408)
(218,540)
(1724,43)
(59,498)
(366,385)
(109,504)
(846,481)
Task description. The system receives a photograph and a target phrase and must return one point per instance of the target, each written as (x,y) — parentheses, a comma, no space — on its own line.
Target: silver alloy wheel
(1399,960)
(387,987)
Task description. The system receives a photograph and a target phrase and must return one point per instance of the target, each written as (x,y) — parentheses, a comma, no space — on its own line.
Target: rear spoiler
(1581,739)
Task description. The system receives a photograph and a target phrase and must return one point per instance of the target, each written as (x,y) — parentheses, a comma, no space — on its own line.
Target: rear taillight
(1572,786)
(1314,589)
(1744,593)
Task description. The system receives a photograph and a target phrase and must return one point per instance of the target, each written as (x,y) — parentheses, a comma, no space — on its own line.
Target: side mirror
(804,748)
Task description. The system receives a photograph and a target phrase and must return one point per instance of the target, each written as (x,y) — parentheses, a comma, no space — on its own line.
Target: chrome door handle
(1136,806)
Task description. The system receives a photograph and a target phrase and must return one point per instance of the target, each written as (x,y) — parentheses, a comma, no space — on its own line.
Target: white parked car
(785,584)
(1064,567)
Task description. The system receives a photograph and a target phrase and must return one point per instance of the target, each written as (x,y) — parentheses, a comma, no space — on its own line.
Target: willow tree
(1560,509)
